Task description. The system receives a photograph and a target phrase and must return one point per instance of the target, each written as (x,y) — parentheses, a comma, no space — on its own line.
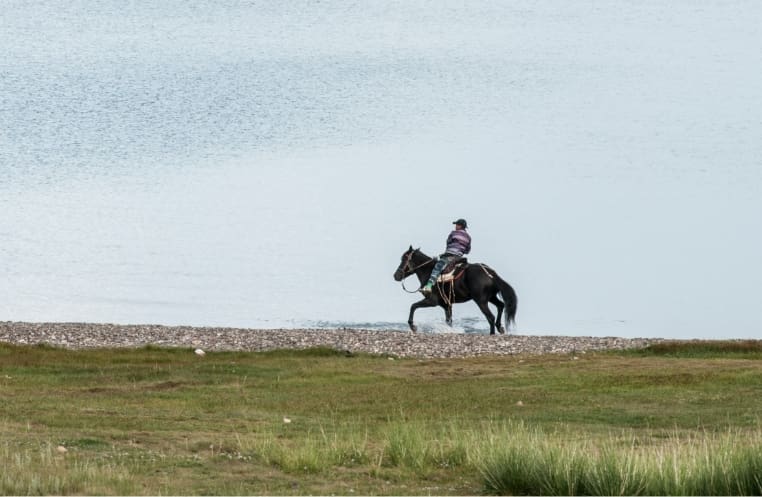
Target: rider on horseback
(458,245)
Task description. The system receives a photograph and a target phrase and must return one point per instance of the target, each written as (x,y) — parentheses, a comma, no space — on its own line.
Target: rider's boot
(426,289)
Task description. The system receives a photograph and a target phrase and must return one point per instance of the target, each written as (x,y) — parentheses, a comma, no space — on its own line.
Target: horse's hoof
(413,328)
(501,330)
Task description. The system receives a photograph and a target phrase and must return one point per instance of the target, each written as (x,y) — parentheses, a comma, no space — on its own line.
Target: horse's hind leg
(484,307)
(499,319)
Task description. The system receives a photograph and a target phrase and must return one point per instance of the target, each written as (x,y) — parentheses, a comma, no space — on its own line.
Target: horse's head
(407,263)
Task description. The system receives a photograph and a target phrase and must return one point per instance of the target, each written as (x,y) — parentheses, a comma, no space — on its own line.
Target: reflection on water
(216,163)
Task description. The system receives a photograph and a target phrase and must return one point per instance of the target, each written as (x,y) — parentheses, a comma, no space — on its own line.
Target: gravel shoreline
(393,343)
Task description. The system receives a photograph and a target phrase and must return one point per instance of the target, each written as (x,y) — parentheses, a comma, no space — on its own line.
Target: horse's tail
(510,299)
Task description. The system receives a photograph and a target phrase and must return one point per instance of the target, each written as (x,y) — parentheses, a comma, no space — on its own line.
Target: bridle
(412,271)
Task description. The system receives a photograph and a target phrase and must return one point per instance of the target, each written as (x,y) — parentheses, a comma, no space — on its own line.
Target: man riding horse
(476,281)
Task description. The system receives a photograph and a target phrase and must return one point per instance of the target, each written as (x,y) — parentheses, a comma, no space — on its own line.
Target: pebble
(394,343)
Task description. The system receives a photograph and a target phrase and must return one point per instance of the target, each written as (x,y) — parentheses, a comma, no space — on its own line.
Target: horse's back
(480,279)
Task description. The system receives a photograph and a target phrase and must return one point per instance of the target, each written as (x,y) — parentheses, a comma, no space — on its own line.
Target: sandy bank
(394,343)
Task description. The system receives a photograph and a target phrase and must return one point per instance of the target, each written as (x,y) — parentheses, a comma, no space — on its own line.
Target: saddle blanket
(448,273)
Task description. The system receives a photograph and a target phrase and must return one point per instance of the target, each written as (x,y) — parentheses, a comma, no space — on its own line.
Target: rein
(449,299)
(411,291)
(412,271)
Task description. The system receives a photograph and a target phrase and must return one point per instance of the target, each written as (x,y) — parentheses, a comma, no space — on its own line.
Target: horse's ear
(410,249)
(417,250)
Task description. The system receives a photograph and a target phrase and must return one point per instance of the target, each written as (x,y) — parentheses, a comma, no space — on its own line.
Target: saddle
(448,274)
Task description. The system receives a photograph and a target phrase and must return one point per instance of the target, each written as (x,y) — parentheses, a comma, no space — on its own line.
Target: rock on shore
(393,343)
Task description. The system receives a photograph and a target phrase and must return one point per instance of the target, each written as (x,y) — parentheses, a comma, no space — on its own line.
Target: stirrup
(426,290)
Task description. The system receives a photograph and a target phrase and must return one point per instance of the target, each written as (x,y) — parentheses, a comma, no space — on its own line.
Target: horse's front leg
(448,314)
(421,303)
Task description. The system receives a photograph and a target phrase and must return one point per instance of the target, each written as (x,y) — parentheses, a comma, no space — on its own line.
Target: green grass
(671,419)
(703,349)
(709,464)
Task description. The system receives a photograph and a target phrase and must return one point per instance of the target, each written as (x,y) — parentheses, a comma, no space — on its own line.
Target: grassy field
(673,419)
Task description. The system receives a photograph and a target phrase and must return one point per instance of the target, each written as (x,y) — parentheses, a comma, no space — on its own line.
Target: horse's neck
(424,268)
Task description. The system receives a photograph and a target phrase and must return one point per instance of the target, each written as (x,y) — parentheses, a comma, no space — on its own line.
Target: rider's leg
(438,267)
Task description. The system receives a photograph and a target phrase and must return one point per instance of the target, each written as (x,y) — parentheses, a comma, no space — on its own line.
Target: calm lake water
(265,164)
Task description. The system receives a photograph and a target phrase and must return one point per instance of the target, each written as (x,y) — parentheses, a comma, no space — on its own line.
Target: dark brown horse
(475,281)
